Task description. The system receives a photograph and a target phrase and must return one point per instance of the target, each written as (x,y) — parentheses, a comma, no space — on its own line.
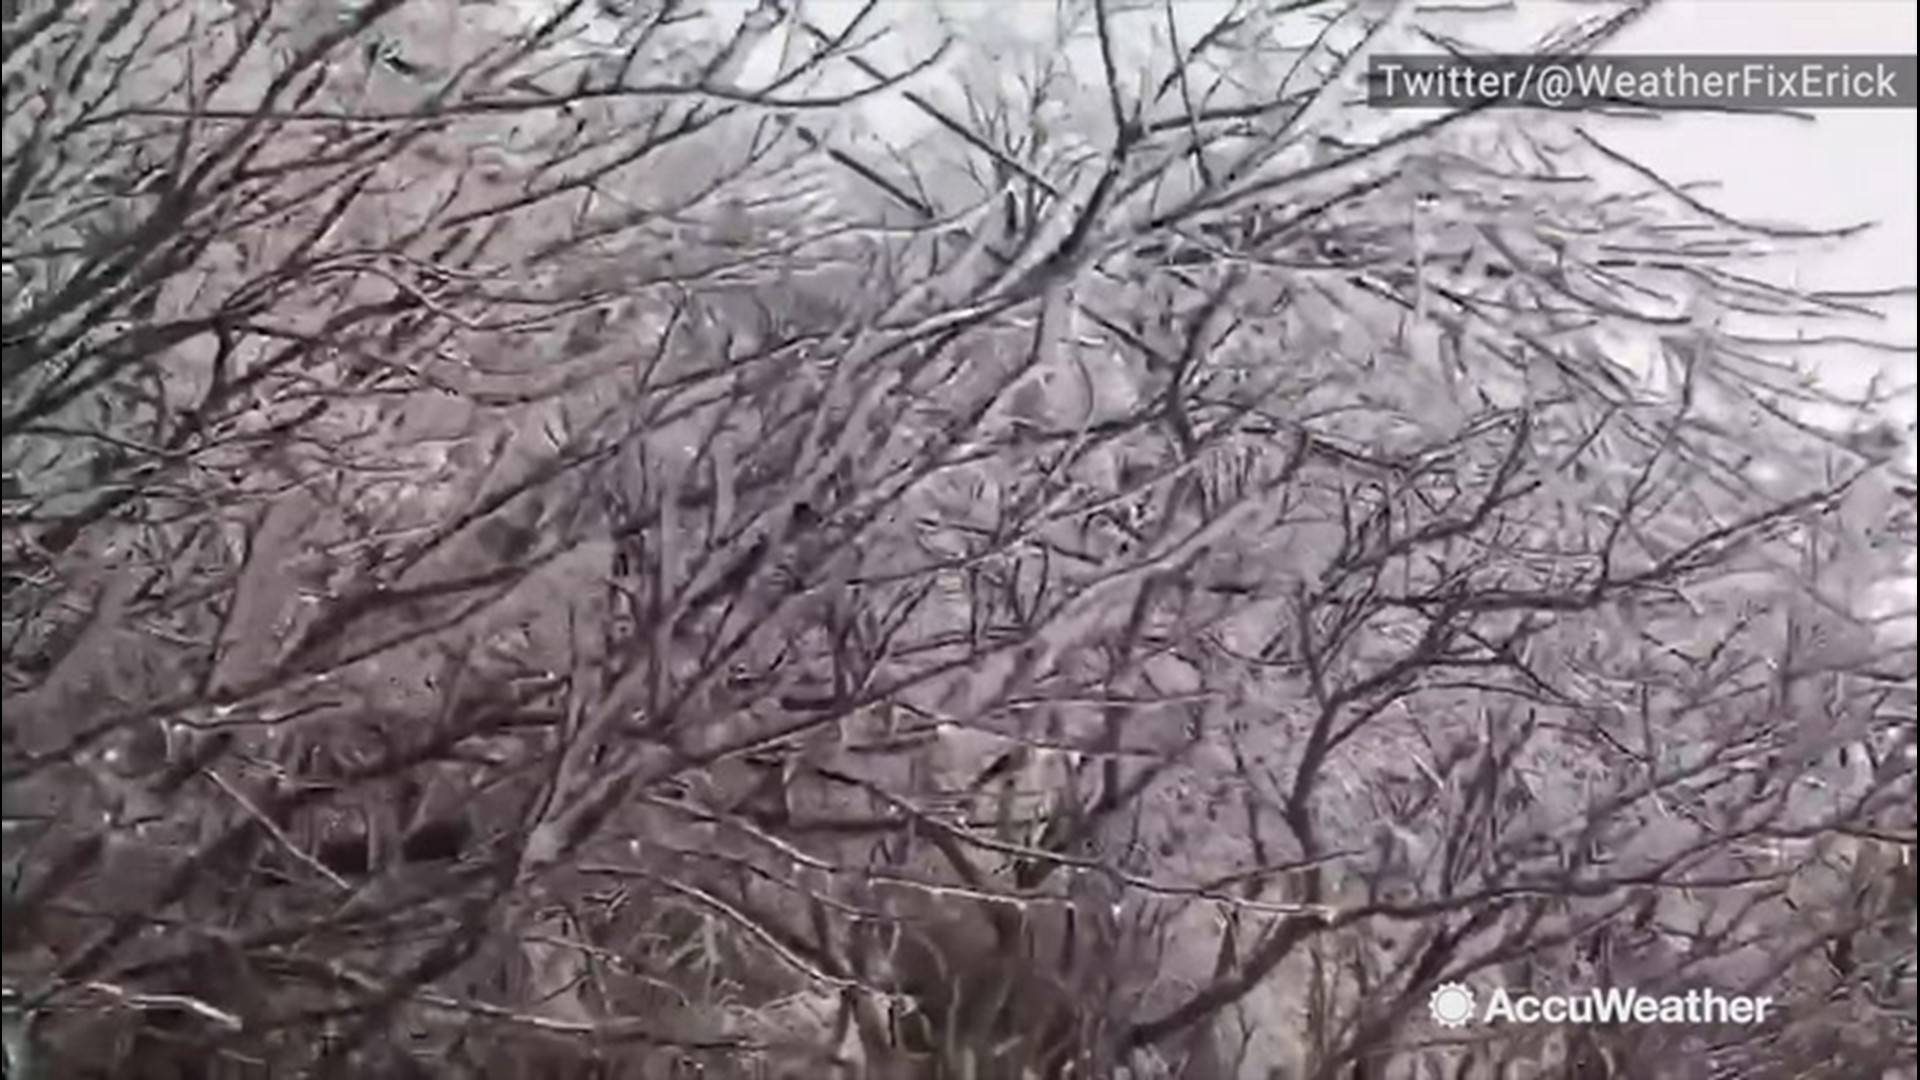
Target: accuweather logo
(1456,1005)
(1452,1005)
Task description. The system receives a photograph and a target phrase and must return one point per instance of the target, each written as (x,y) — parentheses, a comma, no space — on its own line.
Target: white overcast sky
(1850,165)
(1847,166)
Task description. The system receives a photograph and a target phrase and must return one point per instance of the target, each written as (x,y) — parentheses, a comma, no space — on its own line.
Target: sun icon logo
(1451,1004)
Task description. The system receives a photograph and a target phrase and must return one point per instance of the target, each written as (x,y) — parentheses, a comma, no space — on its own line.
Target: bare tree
(534,548)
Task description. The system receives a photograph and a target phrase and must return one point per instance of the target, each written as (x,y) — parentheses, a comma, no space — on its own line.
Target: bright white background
(1841,168)
(1845,167)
